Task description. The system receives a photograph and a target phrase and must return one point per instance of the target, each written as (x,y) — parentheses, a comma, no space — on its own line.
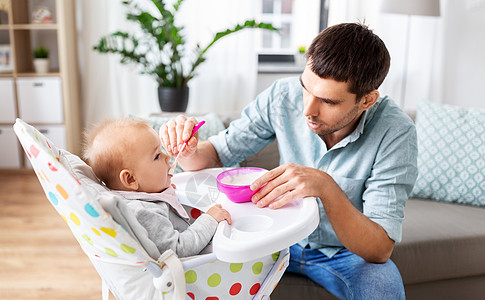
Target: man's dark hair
(350,52)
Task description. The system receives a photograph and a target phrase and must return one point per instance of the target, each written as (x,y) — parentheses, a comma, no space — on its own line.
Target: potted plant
(41,59)
(160,50)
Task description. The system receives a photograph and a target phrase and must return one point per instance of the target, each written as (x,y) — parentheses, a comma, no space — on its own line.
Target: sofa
(441,255)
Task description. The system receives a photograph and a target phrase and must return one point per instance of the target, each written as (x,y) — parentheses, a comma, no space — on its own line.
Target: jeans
(347,275)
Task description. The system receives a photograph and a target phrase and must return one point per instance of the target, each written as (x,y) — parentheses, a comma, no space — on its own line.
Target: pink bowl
(232,183)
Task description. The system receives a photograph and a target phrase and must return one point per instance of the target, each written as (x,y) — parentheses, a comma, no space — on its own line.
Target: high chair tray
(255,232)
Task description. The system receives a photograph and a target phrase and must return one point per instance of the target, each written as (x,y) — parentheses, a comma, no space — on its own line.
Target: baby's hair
(104,145)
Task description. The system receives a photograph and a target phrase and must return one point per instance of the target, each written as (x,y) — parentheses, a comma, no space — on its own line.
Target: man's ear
(369,100)
(128,180)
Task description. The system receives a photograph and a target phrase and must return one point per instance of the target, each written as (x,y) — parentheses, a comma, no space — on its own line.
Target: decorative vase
(41,65)
(173,99)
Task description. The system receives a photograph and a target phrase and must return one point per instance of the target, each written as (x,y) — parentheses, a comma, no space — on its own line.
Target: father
(338,141)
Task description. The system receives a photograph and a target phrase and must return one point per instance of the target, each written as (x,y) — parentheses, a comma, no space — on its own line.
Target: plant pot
(300,60)
(173,99)
(41,65)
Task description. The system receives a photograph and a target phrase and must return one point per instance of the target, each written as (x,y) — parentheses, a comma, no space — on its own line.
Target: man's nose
(311,106)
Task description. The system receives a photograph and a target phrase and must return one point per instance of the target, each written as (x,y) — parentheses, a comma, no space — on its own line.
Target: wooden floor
(39,257)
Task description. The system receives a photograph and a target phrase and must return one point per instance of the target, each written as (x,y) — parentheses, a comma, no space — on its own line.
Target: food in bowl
(235,183)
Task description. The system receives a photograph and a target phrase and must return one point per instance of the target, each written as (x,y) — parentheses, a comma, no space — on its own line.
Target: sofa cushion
(451,157)
(267,158)
(295,286)
(440,241)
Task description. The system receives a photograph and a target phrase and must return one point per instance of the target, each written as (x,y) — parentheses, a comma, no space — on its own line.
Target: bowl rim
(232,186)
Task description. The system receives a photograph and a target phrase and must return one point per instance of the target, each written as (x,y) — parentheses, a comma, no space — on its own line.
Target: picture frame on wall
(5,59)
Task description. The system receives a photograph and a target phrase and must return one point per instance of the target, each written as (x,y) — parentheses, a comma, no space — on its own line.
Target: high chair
(130,264)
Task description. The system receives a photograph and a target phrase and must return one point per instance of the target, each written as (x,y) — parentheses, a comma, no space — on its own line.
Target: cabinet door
(55,133)
(40,100)
(7,101)
(9,152)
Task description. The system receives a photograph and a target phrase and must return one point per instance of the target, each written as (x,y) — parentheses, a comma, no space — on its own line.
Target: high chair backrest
(118,246)
(76,193)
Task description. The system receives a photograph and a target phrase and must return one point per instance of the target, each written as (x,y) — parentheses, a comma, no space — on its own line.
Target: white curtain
(446,62)
(463,47)
(225,82)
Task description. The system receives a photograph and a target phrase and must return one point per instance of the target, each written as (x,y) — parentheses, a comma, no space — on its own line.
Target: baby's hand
(219,213)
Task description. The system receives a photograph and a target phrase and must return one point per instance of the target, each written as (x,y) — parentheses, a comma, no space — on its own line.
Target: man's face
(329,108)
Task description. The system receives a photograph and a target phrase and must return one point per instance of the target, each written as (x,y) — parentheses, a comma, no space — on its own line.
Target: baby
(126,155)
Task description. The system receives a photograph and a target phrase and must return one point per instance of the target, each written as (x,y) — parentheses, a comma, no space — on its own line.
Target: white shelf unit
(49,101)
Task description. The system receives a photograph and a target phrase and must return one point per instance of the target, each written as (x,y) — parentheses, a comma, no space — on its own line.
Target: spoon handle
(197,126)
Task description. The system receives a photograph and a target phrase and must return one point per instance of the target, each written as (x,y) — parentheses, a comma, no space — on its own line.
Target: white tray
(255,232)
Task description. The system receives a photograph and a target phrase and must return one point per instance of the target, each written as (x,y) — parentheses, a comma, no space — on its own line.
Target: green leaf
(159,47)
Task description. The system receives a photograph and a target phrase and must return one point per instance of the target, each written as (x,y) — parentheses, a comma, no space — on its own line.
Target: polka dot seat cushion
(232,281)
(117,244)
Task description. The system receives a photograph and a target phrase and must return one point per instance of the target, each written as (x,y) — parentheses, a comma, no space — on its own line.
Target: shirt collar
(354,135)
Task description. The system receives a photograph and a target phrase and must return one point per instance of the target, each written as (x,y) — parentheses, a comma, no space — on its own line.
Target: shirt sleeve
(161,230)
(250,133)
(392,180)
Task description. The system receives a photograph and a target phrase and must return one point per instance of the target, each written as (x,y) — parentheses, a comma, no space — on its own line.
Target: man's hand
(290,181)
(355,231)
(175,132)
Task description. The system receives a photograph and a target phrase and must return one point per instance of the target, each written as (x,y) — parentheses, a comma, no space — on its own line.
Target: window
(279,13)
(299,22)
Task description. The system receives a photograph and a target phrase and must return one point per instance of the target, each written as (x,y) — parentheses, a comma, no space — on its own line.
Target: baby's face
(149,164)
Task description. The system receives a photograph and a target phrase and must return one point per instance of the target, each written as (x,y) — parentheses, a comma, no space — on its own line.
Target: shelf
(276,68)
(32,94)
(33,74)
(50,26)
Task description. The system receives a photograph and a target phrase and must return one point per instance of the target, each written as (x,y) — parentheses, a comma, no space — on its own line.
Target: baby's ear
(128,180)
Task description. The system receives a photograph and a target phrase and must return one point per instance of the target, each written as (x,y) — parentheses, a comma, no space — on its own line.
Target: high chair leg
(104,289)
(271,281)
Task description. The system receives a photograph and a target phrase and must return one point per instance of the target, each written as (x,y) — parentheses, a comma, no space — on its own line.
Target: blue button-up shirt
(375,165)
